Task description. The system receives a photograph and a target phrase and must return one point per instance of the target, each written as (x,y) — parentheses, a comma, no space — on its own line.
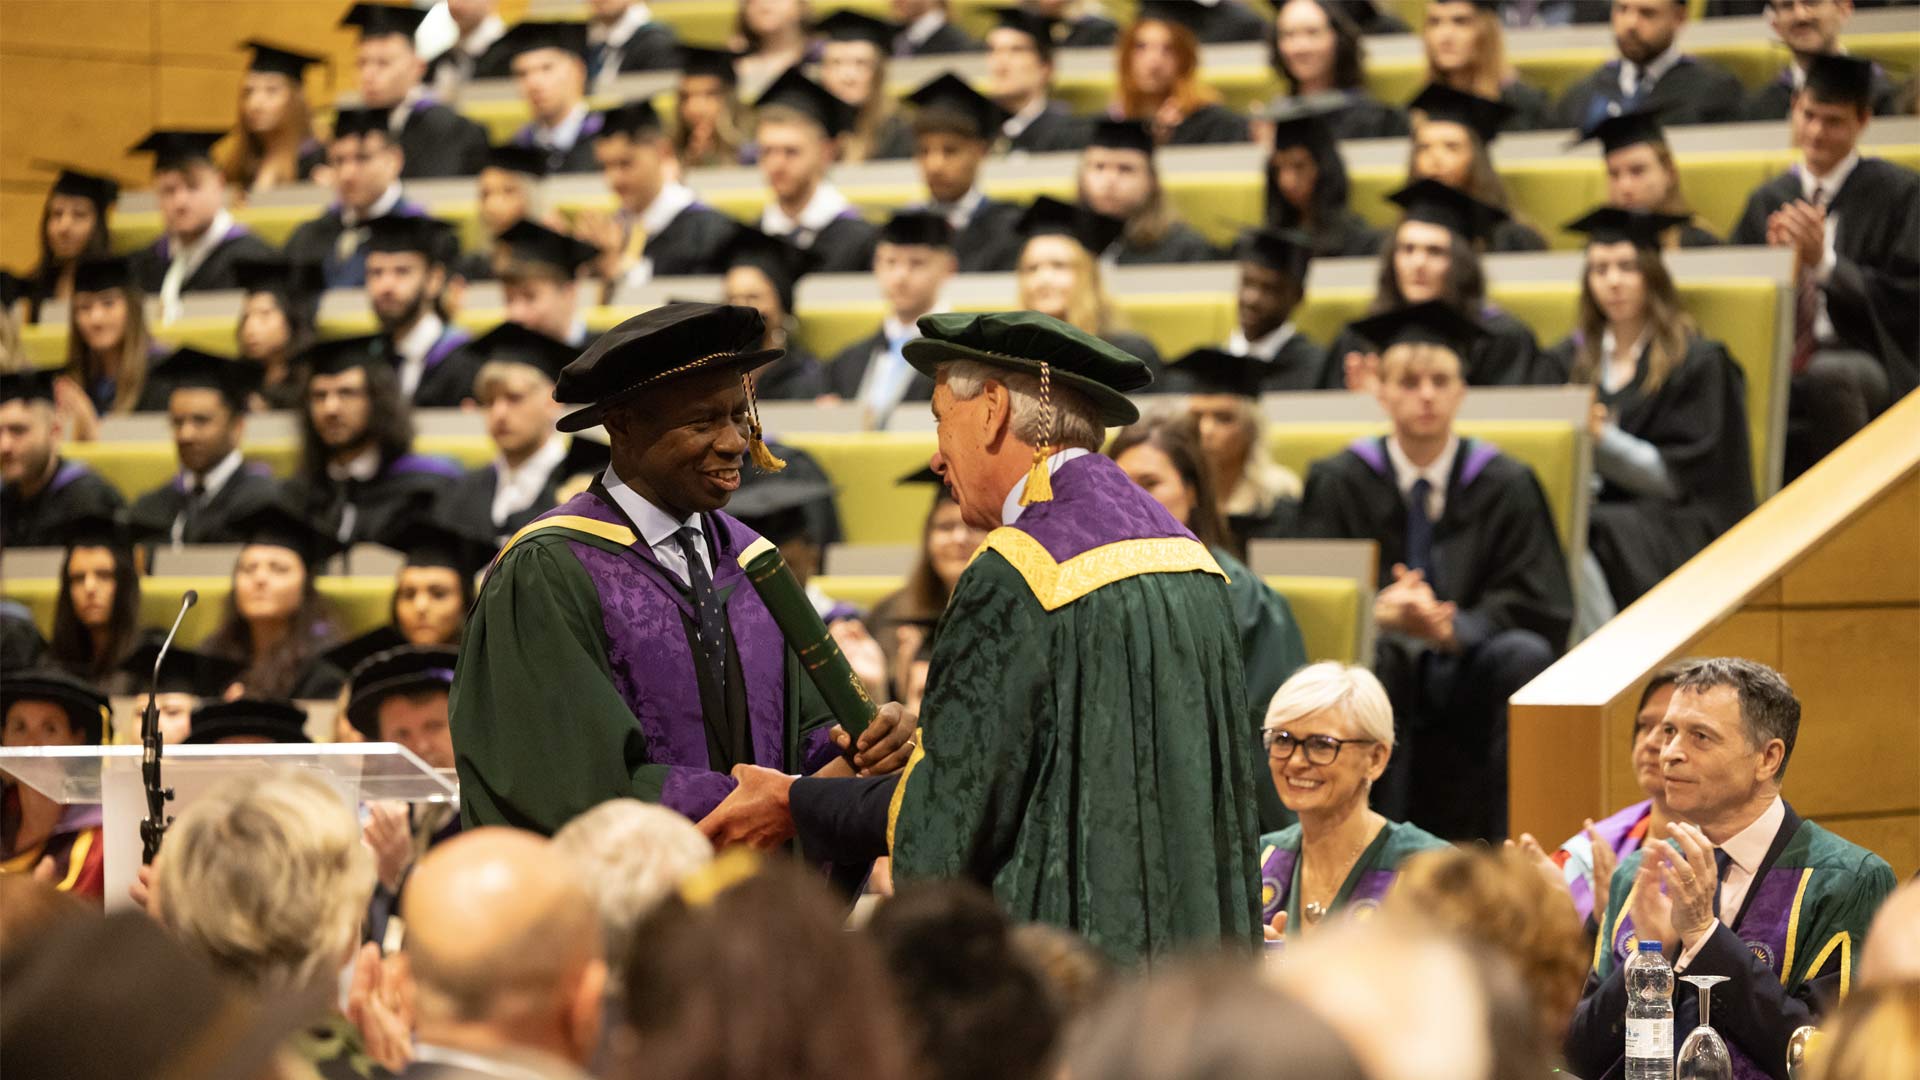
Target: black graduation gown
(451,367)
(1281,521)
(653,47)
(1873,295)
(577,158)
(246,490)
(1773,100)
(797,376)
(220,269)
(1693,236)
(947,40)
(849,367)
(988,242)
(440,142)
(1692,92)
(495,62)
(1299,365)
(692,243)
(1230,20)
(1090,31)
(1055,130)
(1347,235)
(47,519)
(1179,244)
(401,487)
(1532,109)
(1211,124)
(845,246)
(467,502)
(1367,117)
(1508,355)
(1496,556)
(318,242)
(894,140)
(1513,236)
(1698,420)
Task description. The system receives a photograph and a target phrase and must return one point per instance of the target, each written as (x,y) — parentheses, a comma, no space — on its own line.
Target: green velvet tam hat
(1039,345)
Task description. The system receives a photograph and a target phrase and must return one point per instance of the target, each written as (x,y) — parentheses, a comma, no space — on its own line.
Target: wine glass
(1704,1055)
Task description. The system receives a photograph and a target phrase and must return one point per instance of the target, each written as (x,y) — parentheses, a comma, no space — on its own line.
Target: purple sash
(1095,504)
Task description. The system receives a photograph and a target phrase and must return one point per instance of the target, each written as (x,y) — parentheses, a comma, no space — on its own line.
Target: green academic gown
(1366,885)
(1271,649)
(1085,746)
(1788,954)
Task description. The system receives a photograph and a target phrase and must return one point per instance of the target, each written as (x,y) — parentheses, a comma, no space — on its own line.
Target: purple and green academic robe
(1624,832)
(1085,751)
(1366,884)
(577,681)
(1788,954)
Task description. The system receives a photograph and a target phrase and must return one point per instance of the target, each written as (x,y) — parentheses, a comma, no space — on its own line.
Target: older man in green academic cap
(1085,753)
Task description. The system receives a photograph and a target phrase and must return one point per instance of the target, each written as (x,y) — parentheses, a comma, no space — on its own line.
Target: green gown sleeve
(1271,649)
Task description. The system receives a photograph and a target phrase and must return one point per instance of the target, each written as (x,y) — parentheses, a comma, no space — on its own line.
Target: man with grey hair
(629,854)
(1086,756)
(1742,888)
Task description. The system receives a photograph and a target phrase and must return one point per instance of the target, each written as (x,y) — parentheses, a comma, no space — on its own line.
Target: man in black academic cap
(247,721)
(1273,281)
(435,140)
(796,122)
(1474,597)
(763,272)
(478,53)
(616,648)
(201,241)
(926,29)
(79,212)
(1810,30)
(366,161)
(549,61)
(954,129)
(357,469)
(407,265)
(186,679)
(913,262)
(1020,78)
(539,273)
(661,228)
(42,495)
(514,385)
(1853,224)
(1212,22)
(206,400)
(1652,72)
(400,696)
(1118,177)
(623,36)
(1641,174)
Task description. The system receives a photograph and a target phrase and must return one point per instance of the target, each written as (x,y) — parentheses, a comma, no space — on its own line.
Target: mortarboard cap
(700,60)
(531,242)
(276,273)
(183,672)
(1844,80)
(30,384)
(85,706)
(655,347)
(99,190)
(1189,15)
(636,120)
(1048,216)
(513,343)
(1040,28)
(918,227)
(1627,129)
(189,368)
(272,524)
(172,149)
(407,669)
(273,720)
(426,541)
(774,256)
(352,653)
(776,504)
(948,98)
(1216,371)
(99,528)
(1613,224)
(795,91)
(1433,322)
(1449,207)
(102,272)
(509,157)
(351,122)
(568,37)
(1482,116)
(333,356)
(847,25)
(1122,135)
(1305,120)
(381,20)
(1285,250)
(1025,341)
(278,61)
(426,236)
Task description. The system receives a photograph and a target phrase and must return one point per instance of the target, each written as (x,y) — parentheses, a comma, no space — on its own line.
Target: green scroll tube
(807,635)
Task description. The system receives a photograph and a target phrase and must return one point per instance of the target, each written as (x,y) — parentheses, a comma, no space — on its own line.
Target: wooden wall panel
(1874,560)
(1859,687)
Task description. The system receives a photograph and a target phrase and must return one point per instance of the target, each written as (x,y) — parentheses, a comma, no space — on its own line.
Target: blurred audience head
(1875,1033)
(1892,950)
(1076,975)
(630,855)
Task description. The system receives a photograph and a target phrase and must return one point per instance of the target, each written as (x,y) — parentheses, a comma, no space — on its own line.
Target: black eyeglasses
(1321,749)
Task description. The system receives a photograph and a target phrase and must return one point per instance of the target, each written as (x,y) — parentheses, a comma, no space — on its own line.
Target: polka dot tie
(710,619)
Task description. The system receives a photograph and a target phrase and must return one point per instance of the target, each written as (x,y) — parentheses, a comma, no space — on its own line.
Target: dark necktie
(1640,89)
(1420,530)
(710,619)
(598,60)
(1806,305)
(1721,863)
(190,513)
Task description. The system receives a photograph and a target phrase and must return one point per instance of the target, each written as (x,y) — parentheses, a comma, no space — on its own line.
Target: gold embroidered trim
(1057,584)
(900,789)
(1793,925)
(605,530)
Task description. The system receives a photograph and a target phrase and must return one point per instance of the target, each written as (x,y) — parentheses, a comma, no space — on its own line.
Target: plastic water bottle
(1649,1014)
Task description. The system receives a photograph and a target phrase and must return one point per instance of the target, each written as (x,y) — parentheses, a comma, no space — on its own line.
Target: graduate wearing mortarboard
(1047,229)
(663,229)
(617,648)
(1642,175)
(201,242)
(428,352)
(916,255)
(1474,600)
(1037,124)
(1452,142)
(336,241)
(1273,281)
(762,272)
(187,677)
(43,496)
(1119,176)
(806,209)
(273,144)
(273,623)
(74,226)
(926,29)
(436,140)
(277,324)
(1307,185)
(954,129)
(206,396)
(1259,498)
(549,61)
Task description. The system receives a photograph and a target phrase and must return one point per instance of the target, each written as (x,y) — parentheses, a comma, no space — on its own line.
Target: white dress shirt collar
(515,489)
(674,197)
(958,214)
(1266,348)
(1620,368)
(413,348)
(827,203)
(381,207)
(196,253)
(1011,509)
(215,478)
(365,466)
(1656,69)
(1022,120)
(1748,847)
(924,27)
(1436,473)
(657,527)
(1833,181)
(563,135)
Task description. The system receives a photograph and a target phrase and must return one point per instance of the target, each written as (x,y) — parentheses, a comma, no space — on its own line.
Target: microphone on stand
(154,825)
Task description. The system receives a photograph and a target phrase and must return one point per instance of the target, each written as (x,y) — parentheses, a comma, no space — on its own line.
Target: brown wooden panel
(96,27)
(1766,597)
(1893,837)
(1859,687)
(214,29)
(1555,768)
(1875,559)
(1752,634)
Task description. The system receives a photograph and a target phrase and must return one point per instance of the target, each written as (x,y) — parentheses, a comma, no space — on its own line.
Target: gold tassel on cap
(1039,477)
(763,458)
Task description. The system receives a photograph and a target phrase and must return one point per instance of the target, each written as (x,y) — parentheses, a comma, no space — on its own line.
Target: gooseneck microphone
(154,825)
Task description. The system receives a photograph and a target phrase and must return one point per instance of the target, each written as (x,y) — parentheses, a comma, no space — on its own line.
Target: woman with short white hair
(1329,735)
